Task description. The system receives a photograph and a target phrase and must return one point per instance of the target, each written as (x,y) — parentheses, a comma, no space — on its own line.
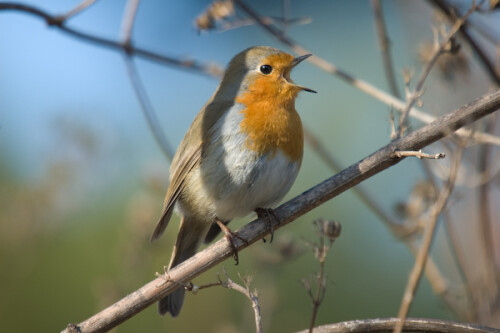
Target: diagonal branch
(429,233)
(411,325)
(187,64)
(384,44)
(77,10)
(288,212)
(358,83)
(446,45)
(147,109)
(450,11)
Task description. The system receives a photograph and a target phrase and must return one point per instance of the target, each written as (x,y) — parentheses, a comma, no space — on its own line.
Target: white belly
(240,179)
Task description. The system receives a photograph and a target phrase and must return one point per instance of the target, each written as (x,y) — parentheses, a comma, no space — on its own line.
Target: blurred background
(82,179)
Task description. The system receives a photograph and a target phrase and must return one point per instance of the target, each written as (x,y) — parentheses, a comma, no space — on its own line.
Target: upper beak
(297,61)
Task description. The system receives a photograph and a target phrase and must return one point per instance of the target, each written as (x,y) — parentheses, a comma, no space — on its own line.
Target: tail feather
(191,233)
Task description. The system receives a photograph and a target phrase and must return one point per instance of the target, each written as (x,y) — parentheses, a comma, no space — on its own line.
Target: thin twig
(384,44)
(141,94)
(450,11)
(429,232)
(252,296)
(186,64)
(288,212)
(225,26)
(378,325)
(432,272)
(457,254)
(128,21)
(147,108)
(328,231)
(419,154)
(364,86)
(285,8)
(78,9)
(445,46)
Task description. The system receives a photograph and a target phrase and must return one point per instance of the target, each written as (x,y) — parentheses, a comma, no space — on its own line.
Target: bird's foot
(268,215)
(230,235)
(166,278)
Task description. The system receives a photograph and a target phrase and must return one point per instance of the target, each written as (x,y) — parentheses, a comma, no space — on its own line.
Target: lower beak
(297,61)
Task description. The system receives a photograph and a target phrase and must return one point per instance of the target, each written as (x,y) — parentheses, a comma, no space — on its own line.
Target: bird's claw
(267,215)
(230,236)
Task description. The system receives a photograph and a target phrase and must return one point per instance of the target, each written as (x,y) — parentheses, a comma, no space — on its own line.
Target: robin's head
(265,72)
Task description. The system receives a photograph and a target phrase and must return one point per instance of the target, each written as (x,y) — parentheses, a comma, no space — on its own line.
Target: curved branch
(411,325)
(288,212)
(451,13)
(59,22)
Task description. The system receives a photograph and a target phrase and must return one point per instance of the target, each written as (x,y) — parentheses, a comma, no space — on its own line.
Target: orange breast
(270,119)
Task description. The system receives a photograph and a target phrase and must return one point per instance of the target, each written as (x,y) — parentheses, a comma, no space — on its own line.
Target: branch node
(417,154)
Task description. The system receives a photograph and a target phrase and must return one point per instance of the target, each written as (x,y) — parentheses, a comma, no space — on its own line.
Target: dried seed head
(328,229)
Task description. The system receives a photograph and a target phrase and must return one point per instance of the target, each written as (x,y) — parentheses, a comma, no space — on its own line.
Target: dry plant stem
(318,298)
(458,256)
(364,86)
(432,272)
(147,108)
(192,65)
(252,296)
(384,43)
(450,11)
(128,20)
(486,231)
(288,212)
(78,9)
(439,50)
(485,221)
(429,232)
(419,154)
(267,20)
(411,325)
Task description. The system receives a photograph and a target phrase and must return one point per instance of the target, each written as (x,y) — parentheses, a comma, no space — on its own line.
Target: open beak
(297,61)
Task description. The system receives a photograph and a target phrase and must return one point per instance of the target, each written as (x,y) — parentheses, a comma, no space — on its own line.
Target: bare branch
(411,325)
(128,21)
(429,233)
(450,11)
(384,44)
(186,64)
(288,212)
(328,231)
(78,9)
(448,44)
(252,296)
(419,154)
(358,83)
(147,109)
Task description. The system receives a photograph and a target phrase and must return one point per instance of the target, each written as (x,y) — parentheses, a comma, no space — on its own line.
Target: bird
(241,154)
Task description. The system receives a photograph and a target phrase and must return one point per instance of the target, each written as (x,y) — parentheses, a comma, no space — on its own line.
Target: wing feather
(175,188)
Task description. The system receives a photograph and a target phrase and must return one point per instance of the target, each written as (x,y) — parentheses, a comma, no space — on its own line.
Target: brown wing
(188,156)
(186,164)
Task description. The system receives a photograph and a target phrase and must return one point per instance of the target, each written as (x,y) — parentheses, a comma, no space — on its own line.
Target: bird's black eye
(266,69)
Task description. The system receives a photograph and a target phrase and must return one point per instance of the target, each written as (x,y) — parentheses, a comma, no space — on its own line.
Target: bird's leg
(166,278)
(268,215)
(230,235)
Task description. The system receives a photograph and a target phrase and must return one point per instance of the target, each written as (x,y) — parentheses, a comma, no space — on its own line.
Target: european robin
(241,154)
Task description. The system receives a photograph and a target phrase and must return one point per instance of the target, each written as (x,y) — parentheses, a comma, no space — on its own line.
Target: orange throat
(270,119)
